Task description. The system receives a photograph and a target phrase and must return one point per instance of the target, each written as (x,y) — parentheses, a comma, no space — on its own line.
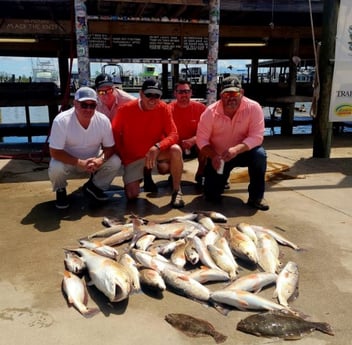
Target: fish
(244,300)
(248,230)
(268,253)
(287,283)
(154,261)
(205,274)
(73,262)
(187,216)
(109,276)
(99,248)
(165,247)
(144,242)
(122,236)
(77,294)
(191,253)
(242,246)
(223,261)
(279,238)
(217,217)
(170,230)
(194,327)
(111,222)
(281,325)
(206,221)
(152,279)
(178,257)
(212,236)
(131,267)
(106,232)
(253,282)
(204,255)
(185,285)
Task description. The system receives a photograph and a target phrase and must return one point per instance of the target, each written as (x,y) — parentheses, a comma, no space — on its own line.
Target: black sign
(156,46)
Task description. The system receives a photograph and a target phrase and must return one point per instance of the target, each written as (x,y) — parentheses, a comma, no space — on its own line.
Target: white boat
(44,71)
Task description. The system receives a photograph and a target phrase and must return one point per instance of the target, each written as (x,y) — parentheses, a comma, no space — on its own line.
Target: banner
(341,92)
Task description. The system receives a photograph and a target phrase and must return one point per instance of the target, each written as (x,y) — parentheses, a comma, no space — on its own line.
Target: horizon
(23,66)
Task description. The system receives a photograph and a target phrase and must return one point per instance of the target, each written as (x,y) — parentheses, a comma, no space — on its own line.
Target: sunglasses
(152,95)
(183,91)
(105,92)
(229,94)
(84,105)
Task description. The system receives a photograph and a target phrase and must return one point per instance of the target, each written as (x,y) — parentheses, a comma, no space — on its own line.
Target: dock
(310,204)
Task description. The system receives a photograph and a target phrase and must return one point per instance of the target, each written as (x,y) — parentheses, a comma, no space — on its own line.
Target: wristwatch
(157,145)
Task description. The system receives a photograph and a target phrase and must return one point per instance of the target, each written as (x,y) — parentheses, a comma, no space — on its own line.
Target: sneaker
(176,199)
(91,189)
(259,204)
(61,199)
(199,180)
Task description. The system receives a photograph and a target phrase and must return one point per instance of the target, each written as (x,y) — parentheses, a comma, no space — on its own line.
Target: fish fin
(183,277)
(219,337)
(324,327)
(90,312)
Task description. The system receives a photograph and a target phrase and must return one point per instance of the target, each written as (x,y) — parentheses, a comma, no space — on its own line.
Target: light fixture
(17,40)
(246,44)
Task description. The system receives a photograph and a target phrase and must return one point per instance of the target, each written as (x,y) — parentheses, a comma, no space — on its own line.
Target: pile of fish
(183,254)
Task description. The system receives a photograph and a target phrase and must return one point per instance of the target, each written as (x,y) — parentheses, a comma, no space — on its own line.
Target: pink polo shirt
(218,130)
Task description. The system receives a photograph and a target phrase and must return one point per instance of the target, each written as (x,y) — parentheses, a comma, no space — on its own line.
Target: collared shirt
(122,97)
(221,132)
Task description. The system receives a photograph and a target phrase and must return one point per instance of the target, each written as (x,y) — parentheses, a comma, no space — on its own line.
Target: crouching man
(82,144)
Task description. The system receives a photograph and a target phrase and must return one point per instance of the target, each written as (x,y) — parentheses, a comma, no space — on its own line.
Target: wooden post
(322,128)
(213,50)
(288,112)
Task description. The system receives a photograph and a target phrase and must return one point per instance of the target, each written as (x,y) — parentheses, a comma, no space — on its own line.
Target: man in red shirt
(186,114)
(146,136)
(230,134)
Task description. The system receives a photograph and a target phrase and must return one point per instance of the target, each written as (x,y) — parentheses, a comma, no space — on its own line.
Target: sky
(23,66)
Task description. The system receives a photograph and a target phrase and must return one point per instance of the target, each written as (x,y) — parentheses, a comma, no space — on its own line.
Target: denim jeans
(254,159)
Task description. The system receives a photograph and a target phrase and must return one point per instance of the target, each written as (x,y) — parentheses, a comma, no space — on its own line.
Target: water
(10,115)
(40,114)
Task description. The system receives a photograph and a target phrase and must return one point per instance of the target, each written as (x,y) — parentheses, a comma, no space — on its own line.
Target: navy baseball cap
(103,80)
(152,86)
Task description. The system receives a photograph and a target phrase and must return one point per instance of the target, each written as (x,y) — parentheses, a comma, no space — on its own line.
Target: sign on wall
(154,46)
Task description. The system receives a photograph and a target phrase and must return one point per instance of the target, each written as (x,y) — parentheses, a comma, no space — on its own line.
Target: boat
(44,71)
(149,71)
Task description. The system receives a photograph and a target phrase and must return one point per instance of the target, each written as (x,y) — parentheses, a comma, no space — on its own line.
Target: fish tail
(219,337)
(324,327)
(90,312)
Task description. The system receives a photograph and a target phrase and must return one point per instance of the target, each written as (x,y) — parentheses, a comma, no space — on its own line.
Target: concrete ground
(311,203)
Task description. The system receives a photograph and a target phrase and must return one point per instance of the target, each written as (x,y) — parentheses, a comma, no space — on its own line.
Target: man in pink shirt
(230,134)
(110,98)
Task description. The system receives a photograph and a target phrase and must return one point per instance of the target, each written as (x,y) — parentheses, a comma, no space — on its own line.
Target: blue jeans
(254,159)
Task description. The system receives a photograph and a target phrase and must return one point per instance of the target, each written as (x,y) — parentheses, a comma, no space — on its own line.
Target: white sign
(341,92)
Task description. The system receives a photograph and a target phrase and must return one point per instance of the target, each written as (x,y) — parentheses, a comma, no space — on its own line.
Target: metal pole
(82,43)
(322,128)
(213,50)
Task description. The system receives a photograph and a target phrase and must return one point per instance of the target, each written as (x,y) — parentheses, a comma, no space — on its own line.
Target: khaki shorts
(134,171)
